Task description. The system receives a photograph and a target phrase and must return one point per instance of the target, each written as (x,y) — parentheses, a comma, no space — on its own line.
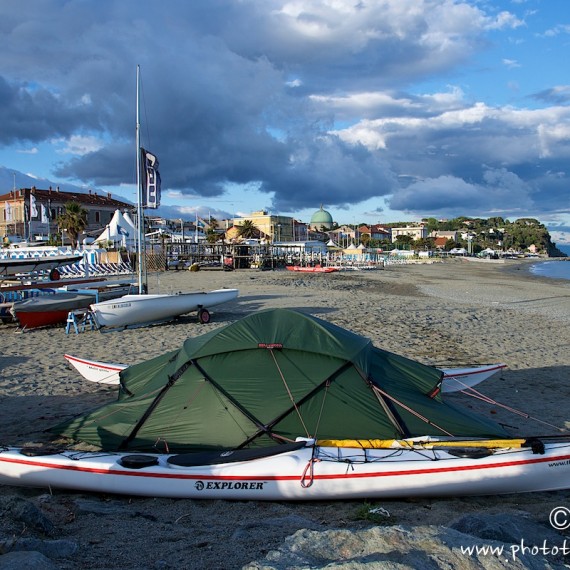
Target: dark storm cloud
(309,101)
(34,114)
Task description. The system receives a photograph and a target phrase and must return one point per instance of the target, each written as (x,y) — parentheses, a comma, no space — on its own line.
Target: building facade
(275,228)
(415,232)
(26,213)
(376,232)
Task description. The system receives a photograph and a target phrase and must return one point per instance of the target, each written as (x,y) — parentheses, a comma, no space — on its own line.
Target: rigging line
(321,410)
(189,401)
(261,427)
(410,410)
(392,414)
(218,396)
(118,408)
(471,392)
(289,392)
(171,381)
(142,95)
(302,400)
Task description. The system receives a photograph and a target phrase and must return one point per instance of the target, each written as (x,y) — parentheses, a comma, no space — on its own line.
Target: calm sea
(554,269)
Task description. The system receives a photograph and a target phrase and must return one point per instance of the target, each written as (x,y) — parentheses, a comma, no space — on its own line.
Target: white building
(415,232)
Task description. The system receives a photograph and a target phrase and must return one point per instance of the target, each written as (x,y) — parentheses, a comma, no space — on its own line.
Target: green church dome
(321,218)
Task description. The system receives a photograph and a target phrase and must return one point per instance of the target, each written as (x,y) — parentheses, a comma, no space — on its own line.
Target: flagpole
(140,215)
(30,220)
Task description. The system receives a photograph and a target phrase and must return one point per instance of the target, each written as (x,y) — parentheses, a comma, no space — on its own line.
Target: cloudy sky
(380,110)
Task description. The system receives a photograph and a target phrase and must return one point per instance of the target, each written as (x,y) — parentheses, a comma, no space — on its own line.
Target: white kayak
(138,310)
(300,471)
(454,379)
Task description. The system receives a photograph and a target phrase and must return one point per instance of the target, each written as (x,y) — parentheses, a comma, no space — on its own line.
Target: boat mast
(140,215)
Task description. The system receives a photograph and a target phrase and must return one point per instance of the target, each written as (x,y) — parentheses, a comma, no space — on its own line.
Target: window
(97,217)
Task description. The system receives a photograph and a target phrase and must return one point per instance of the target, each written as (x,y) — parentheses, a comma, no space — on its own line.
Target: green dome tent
(271,377)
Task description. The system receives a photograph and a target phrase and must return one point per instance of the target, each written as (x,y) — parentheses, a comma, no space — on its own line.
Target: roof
(90,199)
(321,217)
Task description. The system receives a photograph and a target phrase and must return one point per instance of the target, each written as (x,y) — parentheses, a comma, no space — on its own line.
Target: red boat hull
(316,269)
(41,319)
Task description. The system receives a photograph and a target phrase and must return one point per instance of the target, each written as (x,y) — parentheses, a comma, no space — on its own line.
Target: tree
(248,230)
(432,224)
(424,243)
(404,241)
(211,235)
(73,220)
(213,223)
(450,244)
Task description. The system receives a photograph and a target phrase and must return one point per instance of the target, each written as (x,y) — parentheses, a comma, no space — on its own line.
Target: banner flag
(33,207)
(8,208)
(45,218)
(150,180)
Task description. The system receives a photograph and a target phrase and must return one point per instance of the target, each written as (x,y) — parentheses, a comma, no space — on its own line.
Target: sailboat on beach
(142,308)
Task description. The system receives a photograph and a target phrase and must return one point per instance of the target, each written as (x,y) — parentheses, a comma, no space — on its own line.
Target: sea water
(553,269)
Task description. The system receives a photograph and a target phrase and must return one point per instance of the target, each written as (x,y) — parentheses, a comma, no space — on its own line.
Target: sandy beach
(451,314)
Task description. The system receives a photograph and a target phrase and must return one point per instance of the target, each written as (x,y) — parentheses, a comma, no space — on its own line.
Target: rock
(28,560)
(506,528)
(396,548)
(49,548)
(29,514)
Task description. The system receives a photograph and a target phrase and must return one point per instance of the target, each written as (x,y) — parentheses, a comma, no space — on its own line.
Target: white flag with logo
(8,208)
(45,219)
(33,207)
(150,180)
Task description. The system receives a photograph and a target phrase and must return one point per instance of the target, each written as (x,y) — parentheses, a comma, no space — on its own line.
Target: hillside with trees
(495,233)
(499,233)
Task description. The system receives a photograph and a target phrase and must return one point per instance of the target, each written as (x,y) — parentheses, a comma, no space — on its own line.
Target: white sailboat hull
(94,371)
(454,379)
(141,309)
(319,473)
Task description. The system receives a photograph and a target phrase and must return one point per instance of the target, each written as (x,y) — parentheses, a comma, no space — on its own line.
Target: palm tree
(211,235)
(213,223)
(74,220)
(248,230)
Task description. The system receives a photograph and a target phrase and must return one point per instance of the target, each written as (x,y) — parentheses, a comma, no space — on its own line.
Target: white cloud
(504,20)
(80,145)
(511,63)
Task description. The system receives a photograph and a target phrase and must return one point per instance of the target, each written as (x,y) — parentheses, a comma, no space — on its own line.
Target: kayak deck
(299,472)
